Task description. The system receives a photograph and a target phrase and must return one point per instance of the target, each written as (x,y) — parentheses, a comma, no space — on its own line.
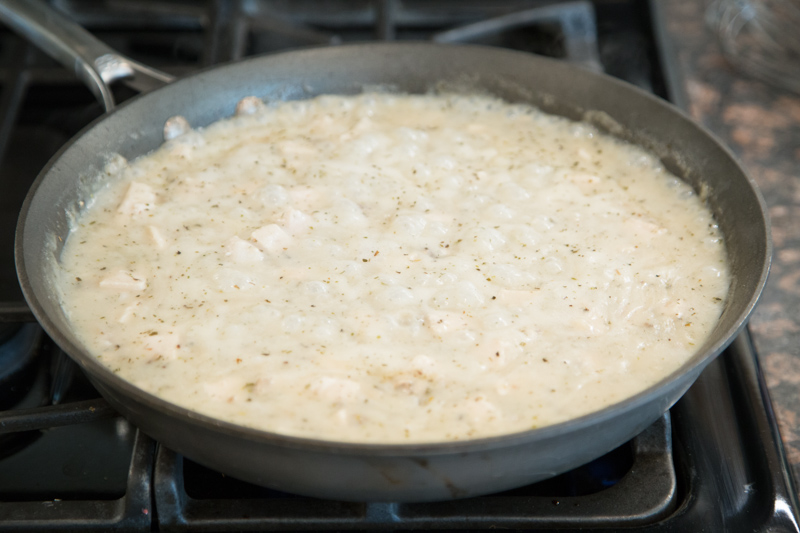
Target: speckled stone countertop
(761,124)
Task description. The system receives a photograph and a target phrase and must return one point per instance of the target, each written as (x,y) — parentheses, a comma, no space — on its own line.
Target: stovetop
(714,462)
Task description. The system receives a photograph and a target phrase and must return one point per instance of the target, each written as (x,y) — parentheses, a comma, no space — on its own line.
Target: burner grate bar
(132,512)
(15,312)
(644,495)
(226,39)
(14,87)
(267,22)
(54,416)
(576,20)
(385,20)
(134,14)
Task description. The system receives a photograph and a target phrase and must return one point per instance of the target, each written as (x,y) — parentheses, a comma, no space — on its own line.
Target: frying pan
(373,472)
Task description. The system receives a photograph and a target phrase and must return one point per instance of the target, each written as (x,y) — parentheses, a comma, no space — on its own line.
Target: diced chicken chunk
(591,326)
(298,148)
(347,211)
(227,389)
(364,124)
(424,365)
(503,387)
(123,280)
(241,251)
(249,105)
(294,221)
(157,237)
(676,308)
(175,127)
(233,279)
(443,322)
(641,226)
(165,345)
(586,182)
(499,351)
(129,312)
(304,197)
(271,238)
(514,297)
(322,125)
(336,389)
(342,416)
(481,410)
(115,165)
(138,199)
(263,385)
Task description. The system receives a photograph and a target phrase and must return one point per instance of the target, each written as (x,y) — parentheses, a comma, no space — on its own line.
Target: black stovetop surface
(714,462)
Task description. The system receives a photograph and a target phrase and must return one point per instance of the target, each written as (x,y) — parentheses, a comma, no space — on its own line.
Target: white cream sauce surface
(393,269)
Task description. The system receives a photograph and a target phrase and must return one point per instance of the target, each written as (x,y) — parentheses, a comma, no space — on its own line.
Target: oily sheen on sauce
(393,268)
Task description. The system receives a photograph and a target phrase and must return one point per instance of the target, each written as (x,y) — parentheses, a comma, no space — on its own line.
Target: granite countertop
(761,124)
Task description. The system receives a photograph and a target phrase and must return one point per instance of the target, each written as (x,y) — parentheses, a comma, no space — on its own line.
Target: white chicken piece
(271,238)
(322,125)
(249,105)
(129,312)
(176,126)
(165,345)
(241,251)
(296,149)
(586,182)
(115,165)
(503,387)
(499,351)
(304,197)
(336,389)
(516,297)
(342,417)
(644,226)
(348,212)
(124,280)
(295,221)
(139,198)
(363,125)
(157,237)
(481,410)
(424,365)
(228,389)
(443,322)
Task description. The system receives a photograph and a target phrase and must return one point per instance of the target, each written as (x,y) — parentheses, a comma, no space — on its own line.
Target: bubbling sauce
(393,268)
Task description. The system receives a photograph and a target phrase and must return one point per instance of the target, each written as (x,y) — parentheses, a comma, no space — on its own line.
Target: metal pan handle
(95,63)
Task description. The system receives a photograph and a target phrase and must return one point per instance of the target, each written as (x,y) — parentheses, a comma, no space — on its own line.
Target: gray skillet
(369,472)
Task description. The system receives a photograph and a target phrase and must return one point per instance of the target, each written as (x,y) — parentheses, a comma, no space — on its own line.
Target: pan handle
(95,63)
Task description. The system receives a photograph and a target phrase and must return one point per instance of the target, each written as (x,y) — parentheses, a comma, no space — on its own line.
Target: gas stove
(714,462)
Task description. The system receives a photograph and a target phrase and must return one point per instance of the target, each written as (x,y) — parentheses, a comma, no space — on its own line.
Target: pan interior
(64,188)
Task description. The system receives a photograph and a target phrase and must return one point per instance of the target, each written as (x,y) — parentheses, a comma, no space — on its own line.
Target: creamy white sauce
(388,268)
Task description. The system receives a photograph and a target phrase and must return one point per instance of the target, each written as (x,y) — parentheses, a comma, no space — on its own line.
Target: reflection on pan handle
(96,64)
